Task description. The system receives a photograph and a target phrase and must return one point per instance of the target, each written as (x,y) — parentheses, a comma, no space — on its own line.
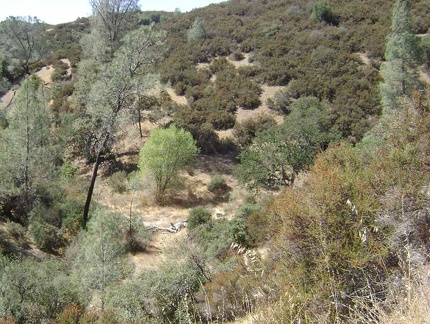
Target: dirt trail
(157,252)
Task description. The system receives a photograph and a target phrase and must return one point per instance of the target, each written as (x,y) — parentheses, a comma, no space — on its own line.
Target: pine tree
(97,257)
(26,155)
(401,55)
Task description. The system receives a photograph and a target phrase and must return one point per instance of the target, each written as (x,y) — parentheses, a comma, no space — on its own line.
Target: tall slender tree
(97,256)
(126,78)
(26,156)
(401,55)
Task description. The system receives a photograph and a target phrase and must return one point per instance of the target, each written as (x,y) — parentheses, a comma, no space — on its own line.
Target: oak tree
(166,152)
(23,39)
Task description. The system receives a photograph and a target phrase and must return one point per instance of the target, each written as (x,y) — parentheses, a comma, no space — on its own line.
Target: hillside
(250,162)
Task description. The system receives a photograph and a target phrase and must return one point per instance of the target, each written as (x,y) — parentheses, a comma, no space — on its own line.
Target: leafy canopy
(277,154)
(166,152)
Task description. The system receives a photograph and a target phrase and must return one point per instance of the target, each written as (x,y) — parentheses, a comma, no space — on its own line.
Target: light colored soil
(268,92)
(178,99)
(244,62)
(201,66)
(194,193)
(237,64)
(44,73)
(157,253)
(364,58)
(7,99)
(424,77)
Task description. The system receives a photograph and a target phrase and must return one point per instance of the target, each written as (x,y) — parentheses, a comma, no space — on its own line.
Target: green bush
(218,185)
(118,181)
(282,100)
(47,237)
(67,170)
(323,12)
(71,215)
(237,56)
(204,134)
(60,71)
(19,234)
(221,120)
(238,231)
(215,237)
(245,131)
(198,216)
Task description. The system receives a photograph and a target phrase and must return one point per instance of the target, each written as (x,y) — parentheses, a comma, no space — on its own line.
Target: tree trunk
(91,189)
(140,122)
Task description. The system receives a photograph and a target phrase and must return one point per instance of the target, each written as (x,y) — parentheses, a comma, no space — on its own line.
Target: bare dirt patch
(241,63)
(364,58)
(425,77)
(181,100)
(44,73)
(268,92)
(157,253)
(177,208)
(7,99)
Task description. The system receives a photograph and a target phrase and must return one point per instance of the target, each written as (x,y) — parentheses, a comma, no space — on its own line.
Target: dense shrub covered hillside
(257,161)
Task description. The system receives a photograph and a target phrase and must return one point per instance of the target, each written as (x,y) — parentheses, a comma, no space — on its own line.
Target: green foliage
(3,120)
(237,56)
(54,218)
(128,302)
(246,228)
(27,148)
(148,19)
(137,234)
(245,131)
(247,209)
(118,181)
(425,46)
(282,100)
(6,77)
(107,29)
(401,54)
(67,170)
(47,237)
(19,234)
(169,289)
(238,231)
(279,153)
(215,238)
(198,216)
(359,218)
(24,39)
(338,233)
(113,86)
(322,12)
(218,185)
(196,31)
(97,255)
(5,74)
(206,138)
(35,291)
(60,71)
(165,153)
